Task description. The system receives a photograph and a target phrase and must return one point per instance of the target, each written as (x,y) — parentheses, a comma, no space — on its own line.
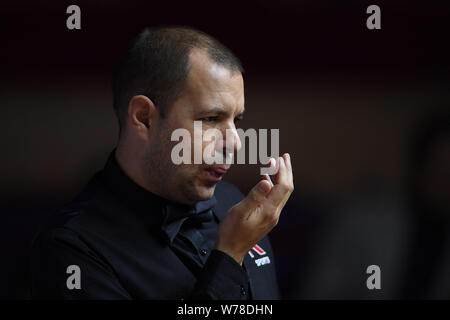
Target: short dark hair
(157,64)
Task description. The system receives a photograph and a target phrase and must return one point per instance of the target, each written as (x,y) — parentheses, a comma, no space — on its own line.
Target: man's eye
(209,119)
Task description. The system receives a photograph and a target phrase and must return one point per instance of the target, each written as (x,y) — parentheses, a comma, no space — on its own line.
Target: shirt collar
(154,210)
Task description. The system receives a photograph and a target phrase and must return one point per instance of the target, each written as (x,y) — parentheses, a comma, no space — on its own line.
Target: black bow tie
(202,211)
(201,217)
(176,215)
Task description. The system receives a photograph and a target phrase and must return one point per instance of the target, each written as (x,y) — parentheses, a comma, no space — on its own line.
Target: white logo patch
(261,252)
(262,261)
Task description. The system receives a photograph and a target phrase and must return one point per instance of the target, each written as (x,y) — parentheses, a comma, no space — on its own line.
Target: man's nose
(232,142)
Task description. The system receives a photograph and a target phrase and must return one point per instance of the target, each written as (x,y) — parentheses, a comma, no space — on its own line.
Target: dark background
(346,100)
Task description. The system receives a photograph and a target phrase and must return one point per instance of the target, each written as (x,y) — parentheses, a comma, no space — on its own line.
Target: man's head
(169,78)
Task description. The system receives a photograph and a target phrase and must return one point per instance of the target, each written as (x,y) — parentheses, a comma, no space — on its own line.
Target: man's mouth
(216,173)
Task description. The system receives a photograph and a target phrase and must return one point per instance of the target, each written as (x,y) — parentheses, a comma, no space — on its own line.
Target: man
(145,228)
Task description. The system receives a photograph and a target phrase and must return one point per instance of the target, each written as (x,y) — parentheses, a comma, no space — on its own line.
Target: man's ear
(141,115)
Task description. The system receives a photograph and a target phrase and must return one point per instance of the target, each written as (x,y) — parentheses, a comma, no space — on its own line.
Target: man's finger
(267,177)
(282,189)
(276,164)
(287,160)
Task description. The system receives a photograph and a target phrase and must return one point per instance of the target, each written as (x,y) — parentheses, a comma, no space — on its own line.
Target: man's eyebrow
(219,111)
(215,110)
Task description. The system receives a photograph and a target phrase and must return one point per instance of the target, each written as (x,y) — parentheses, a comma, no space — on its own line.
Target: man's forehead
(213,85)
(205,70)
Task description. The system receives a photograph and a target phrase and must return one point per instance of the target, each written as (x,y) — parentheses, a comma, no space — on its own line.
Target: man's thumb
(256,195)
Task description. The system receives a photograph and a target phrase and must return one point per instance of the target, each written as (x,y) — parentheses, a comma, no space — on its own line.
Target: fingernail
(261,187)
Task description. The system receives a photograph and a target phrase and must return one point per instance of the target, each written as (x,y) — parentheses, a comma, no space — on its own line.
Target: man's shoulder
(63,234)
(62,221)
(57,236)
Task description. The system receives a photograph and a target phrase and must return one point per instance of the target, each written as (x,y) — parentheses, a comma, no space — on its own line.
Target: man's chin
(205,192)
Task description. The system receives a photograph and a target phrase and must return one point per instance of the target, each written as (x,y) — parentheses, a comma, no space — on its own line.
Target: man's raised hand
(251,219)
